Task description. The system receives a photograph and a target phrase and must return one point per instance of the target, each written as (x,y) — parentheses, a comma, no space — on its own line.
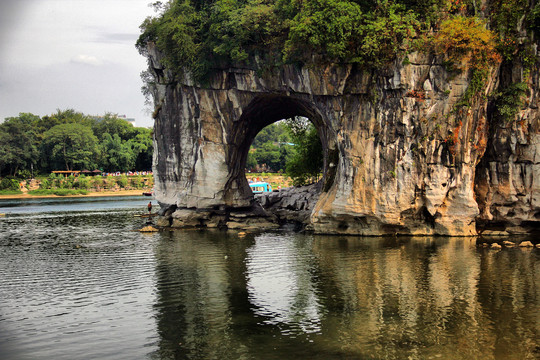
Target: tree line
(71,140)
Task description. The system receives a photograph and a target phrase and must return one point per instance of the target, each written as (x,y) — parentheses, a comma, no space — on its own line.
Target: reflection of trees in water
(271,296)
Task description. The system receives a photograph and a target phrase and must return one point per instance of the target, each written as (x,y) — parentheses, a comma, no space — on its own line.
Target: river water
(79,282)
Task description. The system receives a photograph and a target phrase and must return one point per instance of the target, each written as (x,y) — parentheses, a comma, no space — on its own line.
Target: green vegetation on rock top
(199,36)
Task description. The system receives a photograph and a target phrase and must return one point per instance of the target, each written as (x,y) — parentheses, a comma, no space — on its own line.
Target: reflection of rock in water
(429,294)
(197,285)
(220,295)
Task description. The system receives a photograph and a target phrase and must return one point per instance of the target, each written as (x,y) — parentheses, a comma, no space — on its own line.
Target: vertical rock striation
(400,156)
(507,183)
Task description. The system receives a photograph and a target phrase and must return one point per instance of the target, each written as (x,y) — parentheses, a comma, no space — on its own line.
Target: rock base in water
(291,205)
(254,218)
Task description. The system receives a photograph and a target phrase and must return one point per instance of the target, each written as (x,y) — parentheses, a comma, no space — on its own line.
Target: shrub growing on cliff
(510,100)
(331,26)
(466,40)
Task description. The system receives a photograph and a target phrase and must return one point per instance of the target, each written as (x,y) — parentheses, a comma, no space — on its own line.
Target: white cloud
(76,54)
(87,60)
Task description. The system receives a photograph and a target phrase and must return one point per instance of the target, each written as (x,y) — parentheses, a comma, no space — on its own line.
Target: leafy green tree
(70,146)
(111,124)
(143,148)
(251,162)
(18,144)
(118,154)
(269,155)
(68,116)
(276,133)
(270,148)
(306,162)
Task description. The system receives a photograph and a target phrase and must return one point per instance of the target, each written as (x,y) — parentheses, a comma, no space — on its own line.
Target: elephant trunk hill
(401,154)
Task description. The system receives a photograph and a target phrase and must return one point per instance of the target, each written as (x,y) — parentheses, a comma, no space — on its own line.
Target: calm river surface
(78,282)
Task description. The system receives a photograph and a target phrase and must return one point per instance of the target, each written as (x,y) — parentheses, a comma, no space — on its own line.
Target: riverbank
(90,194)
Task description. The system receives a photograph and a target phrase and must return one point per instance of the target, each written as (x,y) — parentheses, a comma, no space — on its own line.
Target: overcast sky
(72,54)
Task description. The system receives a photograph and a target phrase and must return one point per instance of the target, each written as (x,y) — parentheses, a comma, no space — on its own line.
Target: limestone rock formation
(291,205)
(399,156)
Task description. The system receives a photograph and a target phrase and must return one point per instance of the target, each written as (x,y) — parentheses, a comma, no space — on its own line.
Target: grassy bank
(57,192)
(10,192)
(27,195)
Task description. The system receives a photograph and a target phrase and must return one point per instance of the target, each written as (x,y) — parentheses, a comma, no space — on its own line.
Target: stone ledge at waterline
(400,157)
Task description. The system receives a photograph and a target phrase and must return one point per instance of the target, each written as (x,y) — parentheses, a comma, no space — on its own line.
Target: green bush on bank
(9,184)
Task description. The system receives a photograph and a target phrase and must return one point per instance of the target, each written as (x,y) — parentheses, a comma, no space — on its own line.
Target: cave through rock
(268,109)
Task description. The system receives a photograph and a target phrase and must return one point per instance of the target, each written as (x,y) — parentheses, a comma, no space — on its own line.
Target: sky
(72,54)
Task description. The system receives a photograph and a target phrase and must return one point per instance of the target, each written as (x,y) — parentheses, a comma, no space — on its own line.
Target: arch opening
(262,112)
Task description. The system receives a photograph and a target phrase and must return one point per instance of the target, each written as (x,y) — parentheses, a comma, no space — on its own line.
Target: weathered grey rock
(189,218)
(400,158)
(293,204)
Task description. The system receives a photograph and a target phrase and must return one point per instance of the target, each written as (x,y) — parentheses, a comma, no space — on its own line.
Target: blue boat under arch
(260,187)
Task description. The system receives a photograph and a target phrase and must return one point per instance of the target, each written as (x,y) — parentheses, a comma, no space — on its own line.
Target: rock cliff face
(400,156)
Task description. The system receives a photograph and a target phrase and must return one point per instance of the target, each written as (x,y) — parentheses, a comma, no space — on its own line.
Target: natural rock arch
(267,109)
(398,158)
